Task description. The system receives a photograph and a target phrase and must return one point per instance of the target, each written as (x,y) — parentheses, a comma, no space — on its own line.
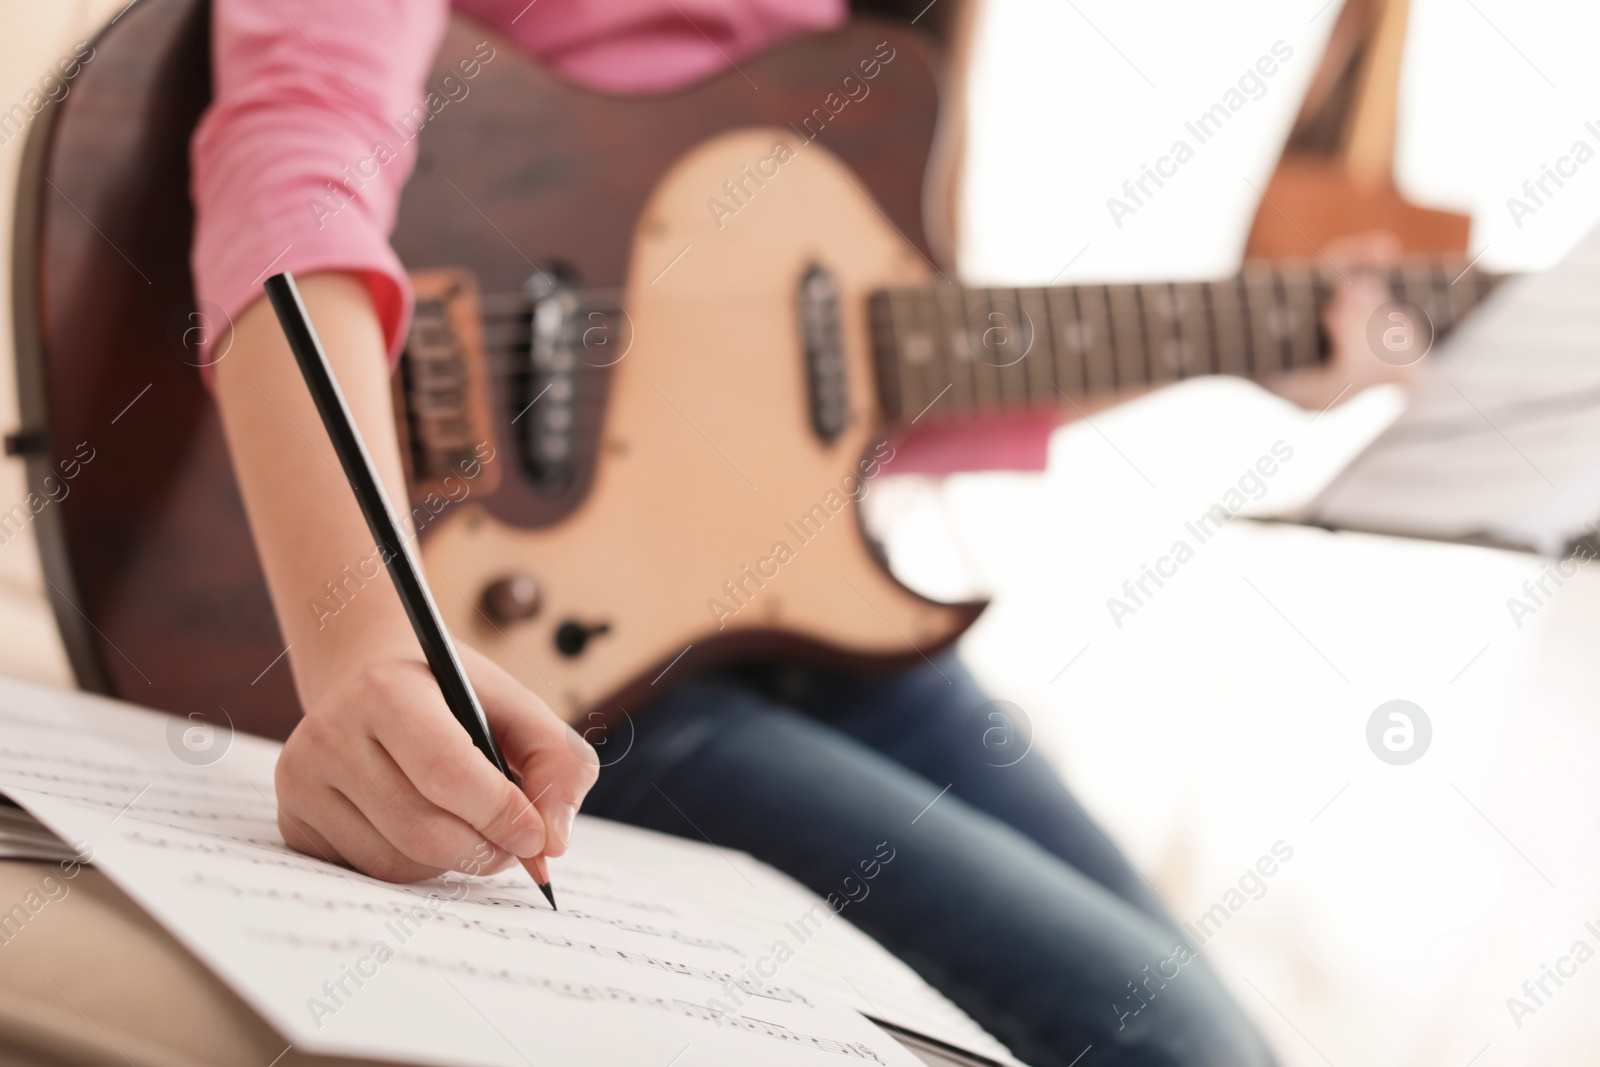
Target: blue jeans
(1002,892)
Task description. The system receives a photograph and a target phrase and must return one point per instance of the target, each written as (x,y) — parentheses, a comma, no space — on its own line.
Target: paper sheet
(1502,439)
(665,951)
(23,838)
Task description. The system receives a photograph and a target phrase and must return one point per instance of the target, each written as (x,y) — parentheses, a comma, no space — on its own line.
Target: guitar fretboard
(944,351)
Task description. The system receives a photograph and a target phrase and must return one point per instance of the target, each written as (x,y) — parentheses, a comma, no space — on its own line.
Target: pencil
(393,546)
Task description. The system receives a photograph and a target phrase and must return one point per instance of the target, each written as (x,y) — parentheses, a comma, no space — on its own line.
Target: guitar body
(716,519)
(706,518)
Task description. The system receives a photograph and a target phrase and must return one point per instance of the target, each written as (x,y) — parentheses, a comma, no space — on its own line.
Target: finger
(296,782)
(1350,304)
(304,838)
(421,830)
(557,767)
(316,818)
(438,757)
(330,821)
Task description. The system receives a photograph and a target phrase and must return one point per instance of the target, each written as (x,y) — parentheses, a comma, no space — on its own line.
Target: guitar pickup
(547,423)
(822,344)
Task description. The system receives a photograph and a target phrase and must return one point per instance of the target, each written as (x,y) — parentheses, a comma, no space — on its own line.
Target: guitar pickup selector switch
(572,636)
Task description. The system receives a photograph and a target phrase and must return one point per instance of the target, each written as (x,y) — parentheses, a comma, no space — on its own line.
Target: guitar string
(508,312)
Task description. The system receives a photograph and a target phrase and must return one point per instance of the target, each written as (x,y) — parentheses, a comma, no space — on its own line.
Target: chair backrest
(106,332)
(154,577)
(1336,174)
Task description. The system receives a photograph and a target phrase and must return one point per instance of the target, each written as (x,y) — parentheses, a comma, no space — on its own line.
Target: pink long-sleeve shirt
(303,88)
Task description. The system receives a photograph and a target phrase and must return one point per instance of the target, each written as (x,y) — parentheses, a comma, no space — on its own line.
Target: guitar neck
(945,351)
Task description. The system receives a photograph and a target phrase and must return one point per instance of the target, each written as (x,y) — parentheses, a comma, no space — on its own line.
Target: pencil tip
(544,887)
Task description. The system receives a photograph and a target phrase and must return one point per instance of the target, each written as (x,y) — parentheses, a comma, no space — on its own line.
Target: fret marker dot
(1077,336)
(1281,322)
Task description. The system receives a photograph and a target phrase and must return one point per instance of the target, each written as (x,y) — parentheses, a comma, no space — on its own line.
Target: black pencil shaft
(393,546)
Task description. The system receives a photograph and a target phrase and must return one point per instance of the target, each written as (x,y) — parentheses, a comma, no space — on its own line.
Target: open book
(665,950)
(1501,443)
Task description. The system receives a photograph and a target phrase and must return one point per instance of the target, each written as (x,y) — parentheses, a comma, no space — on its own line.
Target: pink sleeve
(299,162)
(649,46)
(1019,441)
(295,165)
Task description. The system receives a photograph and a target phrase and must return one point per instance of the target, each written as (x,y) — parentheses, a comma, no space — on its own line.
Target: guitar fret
(1290,316)
(950,346)
(1298,282)
(1465,293)
(1421,291)
(1405,286)
(1180,345)
(1067,341)
(1003,353)
(1038,367)
(1281,324)
(1437,302)
(965,365)
(1227,322)
(1443,298)
(1100,357)
(983,350)
(1157,314)
(1099,354)
(925,377)
(1195,325)
(1183,356)
(1013,363)
(1278,324)
(890,374)
(1127,336)
(1322,283)
(1247,328)
(987,349)
(1259,291)
(1147,343)
(1208,314)
(1205,315)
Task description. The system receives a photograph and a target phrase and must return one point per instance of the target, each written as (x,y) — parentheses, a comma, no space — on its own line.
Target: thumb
(557,767)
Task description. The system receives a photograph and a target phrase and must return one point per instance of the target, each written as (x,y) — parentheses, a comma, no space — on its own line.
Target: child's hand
(380,775)
(1353,364)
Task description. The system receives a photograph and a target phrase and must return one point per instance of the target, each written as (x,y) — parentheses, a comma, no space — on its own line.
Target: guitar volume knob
(514,598)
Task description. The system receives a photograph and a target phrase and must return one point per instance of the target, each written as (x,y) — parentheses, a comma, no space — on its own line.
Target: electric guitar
(663,347)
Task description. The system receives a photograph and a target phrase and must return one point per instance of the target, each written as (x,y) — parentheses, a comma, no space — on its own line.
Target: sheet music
(22,838)
(1502,439)
(665,950)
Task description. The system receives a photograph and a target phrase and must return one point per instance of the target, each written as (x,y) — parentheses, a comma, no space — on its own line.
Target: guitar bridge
(442,389)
